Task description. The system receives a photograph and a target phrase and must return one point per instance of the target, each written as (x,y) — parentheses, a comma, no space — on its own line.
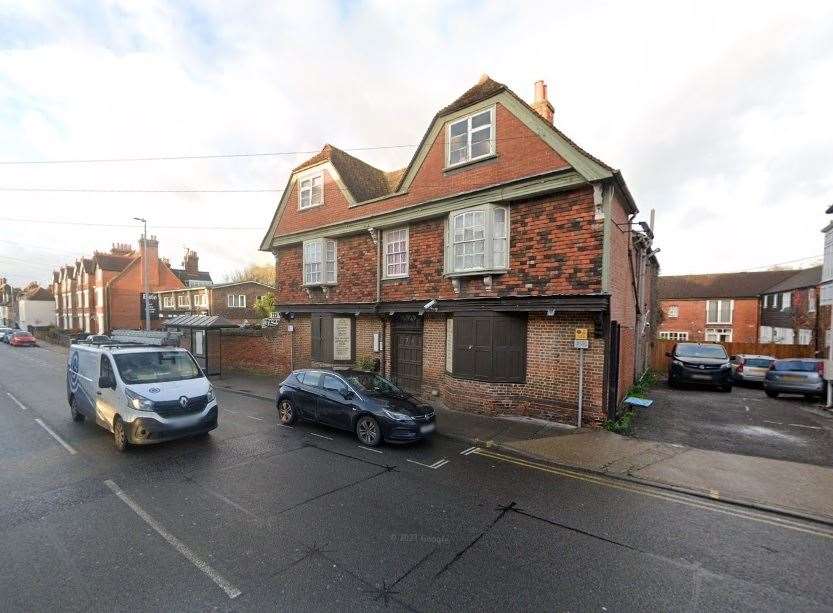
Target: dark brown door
(407,352)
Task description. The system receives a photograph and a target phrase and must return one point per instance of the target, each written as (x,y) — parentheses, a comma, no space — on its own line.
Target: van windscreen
(156,367)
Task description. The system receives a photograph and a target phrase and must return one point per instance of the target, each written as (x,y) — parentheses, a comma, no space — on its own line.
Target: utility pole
(146,296)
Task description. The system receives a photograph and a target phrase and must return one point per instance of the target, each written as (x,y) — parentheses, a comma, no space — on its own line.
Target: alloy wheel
(285,412)
(368,431)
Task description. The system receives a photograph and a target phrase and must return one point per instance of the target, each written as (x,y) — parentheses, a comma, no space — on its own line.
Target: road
(744,421)
(261,516)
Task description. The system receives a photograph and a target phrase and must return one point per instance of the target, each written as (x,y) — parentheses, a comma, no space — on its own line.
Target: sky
(720,117)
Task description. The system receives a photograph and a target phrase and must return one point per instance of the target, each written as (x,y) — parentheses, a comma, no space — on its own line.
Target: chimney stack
(541,104)
(191,262)
(152,259)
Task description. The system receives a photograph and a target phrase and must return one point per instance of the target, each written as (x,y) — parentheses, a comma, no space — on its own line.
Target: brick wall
(520,153)
(219,301)
(692,319)
(623,299)
(264,352)
(555,248)
(125,294)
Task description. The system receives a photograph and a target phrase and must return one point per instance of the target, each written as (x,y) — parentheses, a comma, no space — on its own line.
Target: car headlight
(397,416)
(210,395)
(726,365)
(676,363)
(138,402)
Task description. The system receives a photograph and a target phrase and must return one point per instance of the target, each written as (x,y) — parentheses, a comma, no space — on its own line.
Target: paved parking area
(744,421)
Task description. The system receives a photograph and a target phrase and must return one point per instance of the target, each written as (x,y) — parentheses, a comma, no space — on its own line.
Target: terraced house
(467,273)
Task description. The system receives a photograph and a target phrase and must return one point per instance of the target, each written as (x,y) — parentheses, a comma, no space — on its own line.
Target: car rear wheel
(286,412)
(120,435)
(771,394)
(77,416)
(367,429)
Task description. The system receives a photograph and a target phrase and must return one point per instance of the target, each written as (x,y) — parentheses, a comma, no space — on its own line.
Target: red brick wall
(264,352)
(520,153)
(219,301)
(555,248)
(692,319)
(125,294)
(623,299)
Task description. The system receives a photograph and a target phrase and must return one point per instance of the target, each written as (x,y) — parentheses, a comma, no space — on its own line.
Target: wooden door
(407,352)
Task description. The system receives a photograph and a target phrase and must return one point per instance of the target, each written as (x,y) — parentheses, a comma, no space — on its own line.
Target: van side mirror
(105,382)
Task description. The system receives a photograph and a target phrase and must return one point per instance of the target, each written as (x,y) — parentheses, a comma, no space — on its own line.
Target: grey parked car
(747,368)
(795,376)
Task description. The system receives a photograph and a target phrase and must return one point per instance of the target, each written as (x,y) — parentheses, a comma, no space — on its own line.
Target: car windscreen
(757,362)
(156,366)
(795,366)
(700,351)
(373,383)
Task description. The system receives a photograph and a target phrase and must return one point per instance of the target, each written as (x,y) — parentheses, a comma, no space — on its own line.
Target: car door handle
(98,393)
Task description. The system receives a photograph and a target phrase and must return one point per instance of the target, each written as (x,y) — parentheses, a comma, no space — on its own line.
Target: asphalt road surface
(267,517)
(744,421)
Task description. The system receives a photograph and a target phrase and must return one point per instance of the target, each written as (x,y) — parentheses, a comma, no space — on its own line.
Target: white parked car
(749,368)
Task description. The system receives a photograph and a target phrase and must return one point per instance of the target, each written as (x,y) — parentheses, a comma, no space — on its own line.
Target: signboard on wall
(342,338)
(153,300)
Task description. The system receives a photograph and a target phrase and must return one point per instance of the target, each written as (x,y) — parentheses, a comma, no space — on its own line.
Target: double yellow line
(616,484)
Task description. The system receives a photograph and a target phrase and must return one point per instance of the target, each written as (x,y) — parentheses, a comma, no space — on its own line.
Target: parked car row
(709,364)
(17,338)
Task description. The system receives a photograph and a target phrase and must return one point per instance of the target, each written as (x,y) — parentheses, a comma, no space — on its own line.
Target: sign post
(581,342)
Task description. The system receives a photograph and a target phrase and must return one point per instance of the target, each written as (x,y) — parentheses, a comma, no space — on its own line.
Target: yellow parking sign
(581,334)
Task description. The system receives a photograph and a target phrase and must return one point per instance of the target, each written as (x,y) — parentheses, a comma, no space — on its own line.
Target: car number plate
(701,376)
(792,378)
(427,428)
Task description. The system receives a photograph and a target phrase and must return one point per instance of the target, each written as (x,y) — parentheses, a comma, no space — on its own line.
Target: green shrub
(622,425)
(366,362)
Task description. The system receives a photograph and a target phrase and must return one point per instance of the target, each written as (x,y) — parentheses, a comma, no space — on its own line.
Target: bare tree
(263,273)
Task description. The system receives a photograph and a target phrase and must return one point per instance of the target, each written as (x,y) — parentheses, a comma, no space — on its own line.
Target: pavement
(259,516)
(794,488)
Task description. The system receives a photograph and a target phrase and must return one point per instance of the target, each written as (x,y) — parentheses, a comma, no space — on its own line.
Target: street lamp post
(146,296)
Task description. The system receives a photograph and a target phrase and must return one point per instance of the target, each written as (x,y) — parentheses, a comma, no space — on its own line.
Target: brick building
(232,301)
(8,303)
(718,308)
(104,292)
(789,310)
(467,273)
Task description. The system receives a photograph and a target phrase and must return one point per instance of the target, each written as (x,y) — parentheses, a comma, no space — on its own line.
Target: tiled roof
(107,261)
(485,88)
(808,277)
(722,285)
(185,276)
(38,293)
(364,181)
(88,265)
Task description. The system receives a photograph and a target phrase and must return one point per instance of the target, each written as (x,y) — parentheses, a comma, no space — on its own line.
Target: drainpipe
(375,235)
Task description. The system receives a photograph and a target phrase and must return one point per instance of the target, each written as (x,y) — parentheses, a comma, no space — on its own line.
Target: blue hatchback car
(355,400)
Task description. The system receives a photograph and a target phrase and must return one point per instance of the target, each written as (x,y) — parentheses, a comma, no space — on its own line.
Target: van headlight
(210,394)
(138,402)
(726,365)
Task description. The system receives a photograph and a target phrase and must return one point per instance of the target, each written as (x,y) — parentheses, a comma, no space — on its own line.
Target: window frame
(673,335)
(719,301)
(301,189)
(717,332)
(811,299)
(468,118)
(385,242)
(183,300)
(168,301)
(324,243)
(490,266)
(673,311)
(786,301)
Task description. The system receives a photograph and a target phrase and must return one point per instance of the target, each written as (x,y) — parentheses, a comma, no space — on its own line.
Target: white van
(139,393)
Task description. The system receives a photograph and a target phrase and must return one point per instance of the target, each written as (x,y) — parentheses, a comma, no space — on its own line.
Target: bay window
(396,253)
(477,240)
(719,311)
(310,191)
(319,262)
(470,138)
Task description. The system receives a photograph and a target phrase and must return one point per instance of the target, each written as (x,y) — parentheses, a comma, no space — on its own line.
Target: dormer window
(320,262)
(470,138)
(310,192)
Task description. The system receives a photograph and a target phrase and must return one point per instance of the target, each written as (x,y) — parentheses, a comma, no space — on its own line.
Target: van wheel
(367,429)
(120,435)
(771,394)
(77,416)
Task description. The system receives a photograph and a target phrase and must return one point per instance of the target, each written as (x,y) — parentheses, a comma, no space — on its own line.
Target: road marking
(663,495)
(769,421)
(714,494)
(747,408)
(368,449)
(469,450)
(16,401)
(434,466)
(252,417)
(230,411)
(329,438)
(63,443)
(803,426)
(285,426)
(230,590)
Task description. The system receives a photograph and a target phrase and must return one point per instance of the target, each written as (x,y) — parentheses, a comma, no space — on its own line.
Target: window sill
(319,285)
(718,323)
(485,158)
(312,206)
(476,273)
(398,278)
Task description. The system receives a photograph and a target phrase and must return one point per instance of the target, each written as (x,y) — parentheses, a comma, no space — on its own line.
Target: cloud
(718,116)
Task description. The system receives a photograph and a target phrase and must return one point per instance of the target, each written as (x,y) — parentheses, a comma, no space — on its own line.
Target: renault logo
(183,401)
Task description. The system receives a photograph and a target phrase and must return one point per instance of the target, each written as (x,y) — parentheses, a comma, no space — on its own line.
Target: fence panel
(659,361)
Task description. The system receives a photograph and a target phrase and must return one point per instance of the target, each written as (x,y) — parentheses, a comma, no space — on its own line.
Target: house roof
(721,285)
(231,283)
(364,181)
(38,293)
(485,88)
(108,261)
(88,265)
(808,277)
(186,276)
